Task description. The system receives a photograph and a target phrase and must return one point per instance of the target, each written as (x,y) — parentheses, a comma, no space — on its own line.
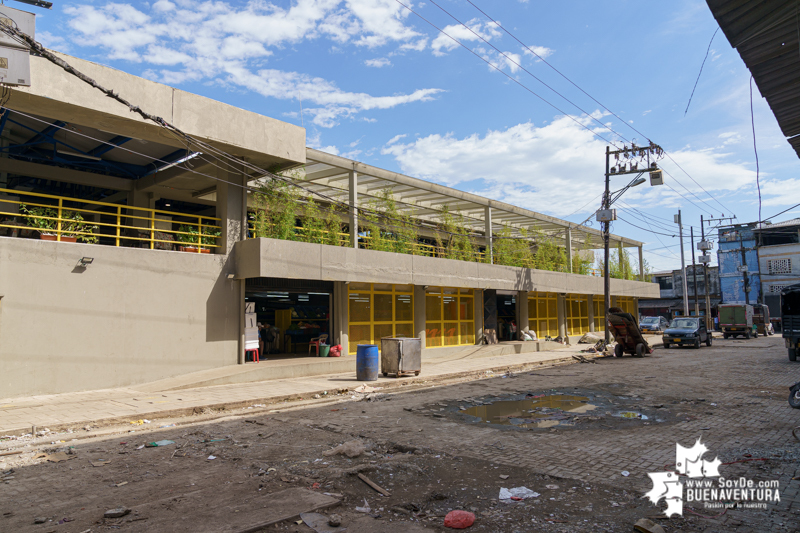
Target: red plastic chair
(256,359)
(315,342)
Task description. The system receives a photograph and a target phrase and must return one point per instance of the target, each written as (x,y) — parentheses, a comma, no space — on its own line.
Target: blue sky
(378,84)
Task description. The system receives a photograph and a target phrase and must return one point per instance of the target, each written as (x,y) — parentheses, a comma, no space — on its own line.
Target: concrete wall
(56,93)
(298,260)
(131,316)
(771,283)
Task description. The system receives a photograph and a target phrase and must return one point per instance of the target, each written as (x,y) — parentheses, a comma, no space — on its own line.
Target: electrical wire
(629,125)
(701,71)
(643,229)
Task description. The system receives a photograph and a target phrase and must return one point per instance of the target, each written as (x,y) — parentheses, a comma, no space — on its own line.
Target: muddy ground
(582,437)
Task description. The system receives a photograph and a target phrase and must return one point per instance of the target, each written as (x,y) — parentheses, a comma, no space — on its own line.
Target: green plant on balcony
(191,238)
(73,225)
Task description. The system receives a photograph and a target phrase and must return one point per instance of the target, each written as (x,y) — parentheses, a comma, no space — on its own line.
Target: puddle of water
(542,412)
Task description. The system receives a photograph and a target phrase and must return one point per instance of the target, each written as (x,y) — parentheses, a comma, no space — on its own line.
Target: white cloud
(474,31)
(779,192)
(215,41)
(378,62)
(554,168)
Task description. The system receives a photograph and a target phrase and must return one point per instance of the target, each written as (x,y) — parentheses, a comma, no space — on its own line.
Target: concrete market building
(159,286)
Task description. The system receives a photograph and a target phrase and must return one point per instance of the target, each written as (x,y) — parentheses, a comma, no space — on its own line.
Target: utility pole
(694,273)
(679,222)
(744,270)
(629,161)
(705,260)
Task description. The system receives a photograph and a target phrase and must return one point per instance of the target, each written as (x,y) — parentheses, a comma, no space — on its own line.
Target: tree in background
(621,265)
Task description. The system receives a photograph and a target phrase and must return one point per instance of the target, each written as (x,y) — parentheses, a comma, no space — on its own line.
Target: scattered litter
(159,443)
(334,520)
(517,493)
(102,462)
(119,512)
(333,494)
(374,485)
(366,509)
(168,426)
(39,520)
(121,484)
(212,457)
(647,526)
(10,453)
(503,476)
(366,388)
(626,473)
(319,523)
(140,447)
(140,422)
(552,487)
(58,457)
(351,448)
(459,519)
(584,359)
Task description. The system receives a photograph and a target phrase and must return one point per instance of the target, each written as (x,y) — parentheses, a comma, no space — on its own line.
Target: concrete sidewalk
(112,406)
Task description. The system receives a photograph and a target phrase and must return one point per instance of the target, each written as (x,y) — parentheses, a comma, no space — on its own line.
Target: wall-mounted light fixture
(231,276)
(83,262)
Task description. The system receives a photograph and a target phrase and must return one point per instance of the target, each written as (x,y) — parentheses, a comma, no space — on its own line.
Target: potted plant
(73,227)
(190,236)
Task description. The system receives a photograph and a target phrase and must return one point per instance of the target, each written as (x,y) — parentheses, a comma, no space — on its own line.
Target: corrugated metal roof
(765,33)
(785,223)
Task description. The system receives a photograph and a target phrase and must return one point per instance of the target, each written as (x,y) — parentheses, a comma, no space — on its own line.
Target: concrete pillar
(145,199)
(487,220)
(353,211)
(231,209)
(339,311)
(636,309)
(561,306)
(568,246)
(522,312)
(478,295)
(614,301)
(590,298)
(641,264)
(419,313)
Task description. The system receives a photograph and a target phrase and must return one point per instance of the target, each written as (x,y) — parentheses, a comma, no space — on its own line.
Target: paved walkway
(121,405)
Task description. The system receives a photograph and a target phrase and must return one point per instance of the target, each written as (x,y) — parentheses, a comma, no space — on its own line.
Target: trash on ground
(58,457)
(366,509)
(334,520)
(516,494)
(366,388)
(374,485)
(645,525)
(459,519)
(212,457)
(119,512)
(351,448)
(159,443)
(39,520)
(504,476)
(626,473)
(122,484)
(589,338)
(140,422)
(319,523)
(102,462)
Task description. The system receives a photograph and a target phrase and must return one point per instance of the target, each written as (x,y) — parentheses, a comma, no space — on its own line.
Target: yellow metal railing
(70,219)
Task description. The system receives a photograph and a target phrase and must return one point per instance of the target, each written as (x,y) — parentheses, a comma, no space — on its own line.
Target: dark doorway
(507,321)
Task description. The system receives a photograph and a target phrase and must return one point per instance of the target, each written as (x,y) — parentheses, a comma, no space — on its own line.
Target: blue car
(686,331)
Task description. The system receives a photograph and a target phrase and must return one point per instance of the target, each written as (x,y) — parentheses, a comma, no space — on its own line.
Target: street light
(640,163)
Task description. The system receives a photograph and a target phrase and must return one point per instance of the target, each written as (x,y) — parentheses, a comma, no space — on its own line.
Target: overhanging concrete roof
(328,175)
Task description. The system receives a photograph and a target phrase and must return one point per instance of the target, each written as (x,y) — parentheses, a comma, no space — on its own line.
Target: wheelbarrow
(627,335)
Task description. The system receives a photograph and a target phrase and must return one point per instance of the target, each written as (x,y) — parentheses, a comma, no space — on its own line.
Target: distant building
(670,283)
(737,256)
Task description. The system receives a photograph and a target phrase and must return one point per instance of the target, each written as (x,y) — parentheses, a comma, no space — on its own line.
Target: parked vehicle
(736,320)
(687,331)
(790,319)
(653,323)
(626,334)
(762,321)
(794,396)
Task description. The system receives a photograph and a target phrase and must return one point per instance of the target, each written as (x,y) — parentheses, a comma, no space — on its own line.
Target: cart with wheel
(627,335)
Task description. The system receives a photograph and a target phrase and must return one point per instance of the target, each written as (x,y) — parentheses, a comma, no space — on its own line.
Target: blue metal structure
(737,247)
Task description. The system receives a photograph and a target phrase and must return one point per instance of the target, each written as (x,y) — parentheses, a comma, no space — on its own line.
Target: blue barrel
(367,362)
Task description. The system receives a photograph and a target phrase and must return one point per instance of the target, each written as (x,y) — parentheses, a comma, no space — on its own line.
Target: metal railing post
(58,224)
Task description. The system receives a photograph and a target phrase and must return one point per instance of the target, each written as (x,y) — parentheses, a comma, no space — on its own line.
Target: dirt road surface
(582,438)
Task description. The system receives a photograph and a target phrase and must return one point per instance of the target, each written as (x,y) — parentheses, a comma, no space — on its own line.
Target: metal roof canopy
(766,36)
(328,175)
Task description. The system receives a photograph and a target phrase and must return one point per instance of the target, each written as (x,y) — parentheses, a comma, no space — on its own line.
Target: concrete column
(478,295)
(145,199)
(353,211)
(614,301)
(419,313)
(568,246)
(487,219)
(522,312)
(636,309)
(561,305)
(590,298)
(641,264)
(231,209)
(339,310)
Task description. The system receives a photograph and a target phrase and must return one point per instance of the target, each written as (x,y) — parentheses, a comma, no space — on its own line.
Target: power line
(596,101)
(644,229)
(782,212)
(701,71)
(755,149)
